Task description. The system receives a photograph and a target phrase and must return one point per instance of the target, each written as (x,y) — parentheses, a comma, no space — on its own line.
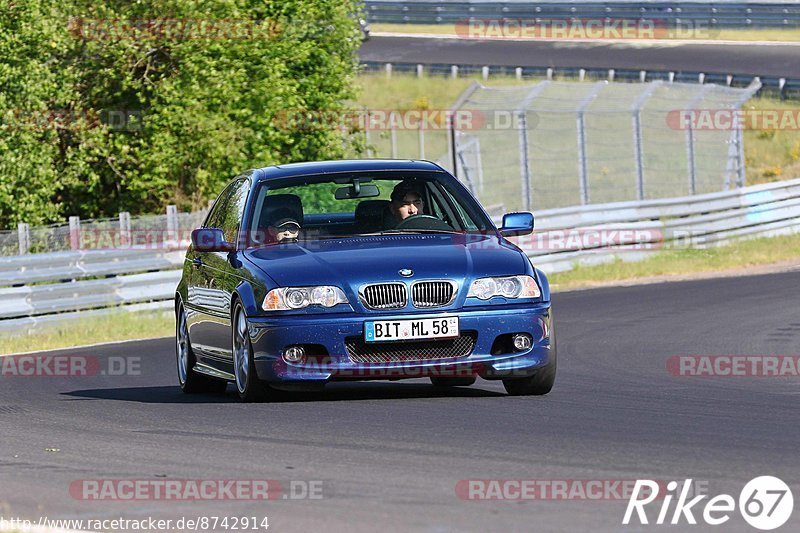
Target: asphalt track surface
(391,453)
(744,58)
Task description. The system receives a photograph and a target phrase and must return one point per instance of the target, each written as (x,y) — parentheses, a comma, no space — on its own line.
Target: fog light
(294,354)
(522,342)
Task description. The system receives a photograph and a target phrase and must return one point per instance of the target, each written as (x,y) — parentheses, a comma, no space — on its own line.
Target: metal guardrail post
(637,135)
(24,238)
(581,127)
(75,233)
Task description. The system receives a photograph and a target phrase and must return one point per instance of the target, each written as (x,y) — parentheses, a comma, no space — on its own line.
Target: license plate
(406,330)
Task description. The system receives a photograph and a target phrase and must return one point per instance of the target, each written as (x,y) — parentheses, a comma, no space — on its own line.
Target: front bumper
(271,335)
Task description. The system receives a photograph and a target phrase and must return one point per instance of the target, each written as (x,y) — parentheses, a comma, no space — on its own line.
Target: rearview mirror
(517,224)
(357,190)
(210,240)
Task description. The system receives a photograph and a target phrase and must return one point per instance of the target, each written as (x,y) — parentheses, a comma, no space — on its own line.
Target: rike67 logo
(765,503)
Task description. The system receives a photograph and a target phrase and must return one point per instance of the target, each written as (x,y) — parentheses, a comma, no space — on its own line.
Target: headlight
(508,287)
(288,298)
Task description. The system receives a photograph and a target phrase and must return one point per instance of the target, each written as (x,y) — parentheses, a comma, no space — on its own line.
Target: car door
(220,269)
(206,303)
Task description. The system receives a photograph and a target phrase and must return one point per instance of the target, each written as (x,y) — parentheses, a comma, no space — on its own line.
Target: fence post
(637,136)
(388,70)
(454,71)
(581,127)
(452,148)
(422,139)
(485,72)
(690,139)
(526,188)
(740,170)
(74,233)
(524,167)
(172,223)
(393,134)
(125,229)
(24,238)
(367,139)
(419,70)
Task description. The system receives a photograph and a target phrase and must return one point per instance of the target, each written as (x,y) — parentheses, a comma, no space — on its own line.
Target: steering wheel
(424,222)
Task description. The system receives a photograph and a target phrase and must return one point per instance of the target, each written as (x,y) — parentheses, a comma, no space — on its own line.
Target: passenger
(406,202)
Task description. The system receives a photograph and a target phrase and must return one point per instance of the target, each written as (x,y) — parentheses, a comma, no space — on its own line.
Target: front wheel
(542,381)
(190,381)
(249,387)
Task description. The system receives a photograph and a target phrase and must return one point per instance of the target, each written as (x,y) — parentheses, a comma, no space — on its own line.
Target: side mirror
(211,240)
(517,224)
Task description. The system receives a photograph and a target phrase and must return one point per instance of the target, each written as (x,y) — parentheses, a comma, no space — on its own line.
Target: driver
(406,202)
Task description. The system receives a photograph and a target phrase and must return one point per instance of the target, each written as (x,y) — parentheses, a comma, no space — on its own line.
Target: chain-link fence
(557,144)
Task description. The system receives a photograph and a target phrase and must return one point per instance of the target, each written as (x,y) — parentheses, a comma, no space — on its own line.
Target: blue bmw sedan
(308,273)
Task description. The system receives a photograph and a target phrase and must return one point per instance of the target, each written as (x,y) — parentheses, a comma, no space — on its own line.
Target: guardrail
(784,87)
(736,14)
(39,289)
(630,231)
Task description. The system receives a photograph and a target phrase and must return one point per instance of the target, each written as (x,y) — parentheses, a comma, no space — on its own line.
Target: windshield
(361,203)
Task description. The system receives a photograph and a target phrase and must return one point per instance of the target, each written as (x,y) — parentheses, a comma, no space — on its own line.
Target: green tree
(161,113)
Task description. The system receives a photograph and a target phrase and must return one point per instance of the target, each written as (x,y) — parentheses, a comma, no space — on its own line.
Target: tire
(190,381)
(452,382)
(542,381)
(249,387)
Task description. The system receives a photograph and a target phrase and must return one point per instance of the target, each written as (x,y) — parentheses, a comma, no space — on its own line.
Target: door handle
(197,262)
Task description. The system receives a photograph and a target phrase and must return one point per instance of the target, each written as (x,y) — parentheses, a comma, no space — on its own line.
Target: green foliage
(166,113)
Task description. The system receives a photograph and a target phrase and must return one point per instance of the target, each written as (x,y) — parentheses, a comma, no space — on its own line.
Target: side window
(215,216)
(233,210)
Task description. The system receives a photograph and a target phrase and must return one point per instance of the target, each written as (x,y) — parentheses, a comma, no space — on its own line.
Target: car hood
(352,262)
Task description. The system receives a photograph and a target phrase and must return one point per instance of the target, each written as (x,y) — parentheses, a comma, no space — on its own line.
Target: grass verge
(124,325)
(742,256)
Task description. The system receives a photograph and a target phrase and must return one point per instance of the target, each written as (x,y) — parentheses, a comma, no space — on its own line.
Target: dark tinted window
(232,211)
(214,217)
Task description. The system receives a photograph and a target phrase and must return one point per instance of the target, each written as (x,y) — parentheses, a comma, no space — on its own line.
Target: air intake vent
(384,296)
(396,352)
(428,294)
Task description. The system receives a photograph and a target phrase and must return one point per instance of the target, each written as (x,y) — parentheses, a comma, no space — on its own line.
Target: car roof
(345,165)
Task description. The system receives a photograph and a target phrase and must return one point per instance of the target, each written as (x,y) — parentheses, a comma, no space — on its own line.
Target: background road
(390,454)
(745,58)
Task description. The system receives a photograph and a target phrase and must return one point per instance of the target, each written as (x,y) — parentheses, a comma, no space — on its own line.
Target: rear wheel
(542,381)
(249,387)
(190,381)
(452,382)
